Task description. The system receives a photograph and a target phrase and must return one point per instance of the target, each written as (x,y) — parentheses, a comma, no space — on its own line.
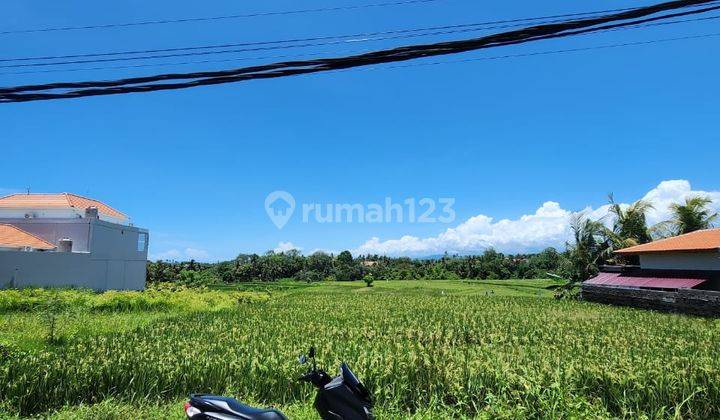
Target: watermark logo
(280,206)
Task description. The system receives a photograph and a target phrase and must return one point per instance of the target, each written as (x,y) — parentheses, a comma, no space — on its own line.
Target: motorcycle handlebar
(315,377)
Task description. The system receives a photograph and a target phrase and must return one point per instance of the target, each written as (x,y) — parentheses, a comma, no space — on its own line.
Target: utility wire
(519,21)
(365,38)
(291,68)
(261,14)
(182,63)
(434,63)
(360,37)
(252,15)
(215,18)
(552,52)
(478,26)
(174,63)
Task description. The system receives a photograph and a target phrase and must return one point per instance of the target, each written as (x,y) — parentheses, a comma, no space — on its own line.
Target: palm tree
(630,225)
(590,247)
(694,215)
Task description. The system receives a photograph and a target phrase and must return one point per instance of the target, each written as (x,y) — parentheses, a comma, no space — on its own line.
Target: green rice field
(425,349)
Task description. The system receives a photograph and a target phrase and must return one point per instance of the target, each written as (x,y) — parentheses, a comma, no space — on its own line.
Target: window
(142,242)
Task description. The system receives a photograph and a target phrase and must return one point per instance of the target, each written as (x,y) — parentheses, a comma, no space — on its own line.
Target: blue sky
(501,137)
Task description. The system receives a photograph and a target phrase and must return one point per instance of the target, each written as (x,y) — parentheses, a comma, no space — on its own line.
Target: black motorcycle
(343,397)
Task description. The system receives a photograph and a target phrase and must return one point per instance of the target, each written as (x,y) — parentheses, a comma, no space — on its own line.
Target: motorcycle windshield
(353,382)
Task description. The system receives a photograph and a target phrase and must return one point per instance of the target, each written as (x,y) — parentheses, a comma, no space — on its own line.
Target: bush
(369,279)
(309,276)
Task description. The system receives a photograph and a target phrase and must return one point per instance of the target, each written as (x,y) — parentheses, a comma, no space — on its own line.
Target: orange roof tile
(13,237)
(701,240)
(61,200)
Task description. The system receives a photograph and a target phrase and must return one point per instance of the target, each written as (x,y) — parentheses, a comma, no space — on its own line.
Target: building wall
(681,261)
(690,301)
(69,269)
(111,241)
(113,261)
(20,213)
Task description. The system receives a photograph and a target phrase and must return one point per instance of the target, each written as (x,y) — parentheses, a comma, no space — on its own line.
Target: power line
(367,38)
(352,40)
(630,27)
(470,60)
(258,14)
(480,26)
(265,14)
(259,48)
(397,54)
(216,18)
(175,63)
(552,52)
(290,68)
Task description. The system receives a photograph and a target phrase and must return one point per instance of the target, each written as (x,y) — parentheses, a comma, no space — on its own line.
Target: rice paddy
(425,350)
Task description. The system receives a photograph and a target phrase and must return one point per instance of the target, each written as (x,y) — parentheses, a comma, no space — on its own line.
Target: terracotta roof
(54,201)
(12,237)
(701,240)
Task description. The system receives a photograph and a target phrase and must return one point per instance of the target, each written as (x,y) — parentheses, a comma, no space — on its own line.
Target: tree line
(593,244)
(321,266)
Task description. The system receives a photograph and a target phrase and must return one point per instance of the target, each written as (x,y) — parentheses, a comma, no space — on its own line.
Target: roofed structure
(67,240)
(701,240)
(650,279)
(16,238)
(678,274)
(58,202)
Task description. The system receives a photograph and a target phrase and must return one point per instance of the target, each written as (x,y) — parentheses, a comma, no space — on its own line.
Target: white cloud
(175,248)
(547,226)
(181,255)
(285,247)
(674,191)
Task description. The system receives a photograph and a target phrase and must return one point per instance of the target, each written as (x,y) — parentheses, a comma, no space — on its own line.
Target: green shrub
(368,279)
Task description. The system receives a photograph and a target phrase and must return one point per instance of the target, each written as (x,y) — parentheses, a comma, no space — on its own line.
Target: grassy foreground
(434,349)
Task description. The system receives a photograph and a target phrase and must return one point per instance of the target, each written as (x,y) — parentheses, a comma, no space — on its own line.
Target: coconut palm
(590,247)
(630,225)
(694,215)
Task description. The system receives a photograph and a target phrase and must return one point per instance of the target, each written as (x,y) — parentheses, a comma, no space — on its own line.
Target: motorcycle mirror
(311,352)
(302,359)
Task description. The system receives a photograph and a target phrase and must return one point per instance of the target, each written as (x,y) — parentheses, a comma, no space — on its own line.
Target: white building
(51,240)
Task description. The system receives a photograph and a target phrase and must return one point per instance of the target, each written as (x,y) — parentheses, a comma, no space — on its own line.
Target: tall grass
(160,299)
(469,355)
